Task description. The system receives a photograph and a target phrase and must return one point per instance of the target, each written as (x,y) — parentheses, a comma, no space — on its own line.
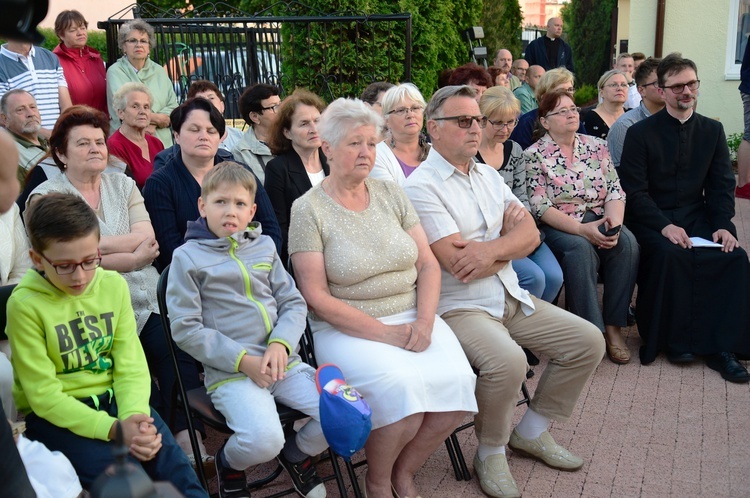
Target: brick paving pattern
(644,431)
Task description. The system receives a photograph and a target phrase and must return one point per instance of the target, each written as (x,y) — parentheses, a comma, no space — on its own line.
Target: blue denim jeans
(90,457)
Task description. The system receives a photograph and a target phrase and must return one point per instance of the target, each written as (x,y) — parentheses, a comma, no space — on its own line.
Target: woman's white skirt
(395,382)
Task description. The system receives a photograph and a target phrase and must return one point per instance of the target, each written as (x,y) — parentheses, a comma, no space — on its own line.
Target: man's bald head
(554,27)
(533,75)
(504,60)
(520,66)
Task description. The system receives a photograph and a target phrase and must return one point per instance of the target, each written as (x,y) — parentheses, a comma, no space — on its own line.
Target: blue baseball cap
(345,416)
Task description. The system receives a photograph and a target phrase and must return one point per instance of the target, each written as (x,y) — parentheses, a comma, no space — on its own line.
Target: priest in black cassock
(677,174)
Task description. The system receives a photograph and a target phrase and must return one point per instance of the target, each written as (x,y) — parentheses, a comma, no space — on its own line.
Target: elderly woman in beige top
(364,266)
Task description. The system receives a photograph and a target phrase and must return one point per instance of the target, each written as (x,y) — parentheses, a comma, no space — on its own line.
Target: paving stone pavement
(644,431)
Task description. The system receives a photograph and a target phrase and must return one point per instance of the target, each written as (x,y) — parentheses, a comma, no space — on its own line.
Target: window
(737,35)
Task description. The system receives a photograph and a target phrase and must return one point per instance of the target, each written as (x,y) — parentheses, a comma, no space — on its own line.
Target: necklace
(328,189)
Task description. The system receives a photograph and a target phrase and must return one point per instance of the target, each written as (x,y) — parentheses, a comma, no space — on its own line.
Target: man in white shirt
(38,71)
(475,227)
(626,64)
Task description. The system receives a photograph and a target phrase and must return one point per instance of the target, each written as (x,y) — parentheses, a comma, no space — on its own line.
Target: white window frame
(732,68)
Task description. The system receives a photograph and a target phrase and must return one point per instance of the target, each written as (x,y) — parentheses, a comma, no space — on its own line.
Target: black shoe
(728,366)
(680,358)
(631,316)
(531,358)
(304,478)
(231,483)
(529,373)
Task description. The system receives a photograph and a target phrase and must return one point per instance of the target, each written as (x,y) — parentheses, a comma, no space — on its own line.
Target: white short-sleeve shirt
(448,202)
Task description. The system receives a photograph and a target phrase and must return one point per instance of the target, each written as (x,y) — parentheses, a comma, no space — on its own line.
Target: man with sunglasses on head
(675,168)
(475,227)
(651,103)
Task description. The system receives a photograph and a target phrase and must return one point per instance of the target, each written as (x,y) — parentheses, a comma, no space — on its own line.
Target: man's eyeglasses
(465,121)
(135,41)
(271,108)
(565,112)
(403,111)
(653,83)
(679,88)
(68,268)
(499,125)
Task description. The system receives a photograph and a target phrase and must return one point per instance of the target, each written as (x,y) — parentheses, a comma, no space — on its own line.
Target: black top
(286,181)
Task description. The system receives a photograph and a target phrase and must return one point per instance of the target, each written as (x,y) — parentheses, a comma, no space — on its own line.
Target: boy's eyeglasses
(68,268)
(465,121)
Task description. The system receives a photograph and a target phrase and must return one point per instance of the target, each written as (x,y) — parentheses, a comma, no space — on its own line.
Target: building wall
(697,29)
(536,12)
(93,10)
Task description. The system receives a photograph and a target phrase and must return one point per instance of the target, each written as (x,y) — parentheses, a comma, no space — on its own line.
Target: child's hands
(250,366)
(139,434)
(274,361)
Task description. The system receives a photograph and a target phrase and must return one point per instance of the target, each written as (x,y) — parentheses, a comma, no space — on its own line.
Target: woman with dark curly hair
(473,75)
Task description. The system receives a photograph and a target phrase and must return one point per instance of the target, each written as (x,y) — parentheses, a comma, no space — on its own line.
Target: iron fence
(287,45)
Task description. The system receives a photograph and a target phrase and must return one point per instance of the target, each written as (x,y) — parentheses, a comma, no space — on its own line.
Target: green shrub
(586,95)
(97,40)
(588,24)
(502,21)
(309,53)
(733,142)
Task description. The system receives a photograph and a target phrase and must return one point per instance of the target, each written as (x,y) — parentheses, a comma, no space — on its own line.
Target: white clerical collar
(682,121)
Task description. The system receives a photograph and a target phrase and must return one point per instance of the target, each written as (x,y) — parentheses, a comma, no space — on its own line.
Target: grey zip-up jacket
(231,296)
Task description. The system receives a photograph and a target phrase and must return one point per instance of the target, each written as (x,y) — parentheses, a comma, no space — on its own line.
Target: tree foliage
(502,21)
(589,27)
(355,53)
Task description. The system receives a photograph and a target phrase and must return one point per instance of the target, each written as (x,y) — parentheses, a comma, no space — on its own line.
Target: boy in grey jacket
(233,307)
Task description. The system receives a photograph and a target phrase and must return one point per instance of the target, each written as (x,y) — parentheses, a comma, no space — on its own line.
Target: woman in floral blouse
(574,191)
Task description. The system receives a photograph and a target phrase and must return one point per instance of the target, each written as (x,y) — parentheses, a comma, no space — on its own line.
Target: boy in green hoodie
(79,369)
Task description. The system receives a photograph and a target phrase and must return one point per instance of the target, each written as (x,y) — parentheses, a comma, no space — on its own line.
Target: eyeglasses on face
(680,87)
(565,112)
(616,85)
(465,121)
(653,83)
(272,108)
(135,41)
(499,125)
(68,268)
(403,111)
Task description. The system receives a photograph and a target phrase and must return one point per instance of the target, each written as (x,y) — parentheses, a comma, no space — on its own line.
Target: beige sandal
(617,354)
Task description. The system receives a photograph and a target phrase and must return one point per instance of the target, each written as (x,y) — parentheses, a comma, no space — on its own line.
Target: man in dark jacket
(693,298)
(550,51)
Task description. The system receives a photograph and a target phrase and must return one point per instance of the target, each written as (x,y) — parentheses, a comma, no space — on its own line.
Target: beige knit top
(369,256)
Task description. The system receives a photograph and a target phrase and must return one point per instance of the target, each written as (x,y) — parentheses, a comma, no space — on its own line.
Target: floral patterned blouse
(586,184)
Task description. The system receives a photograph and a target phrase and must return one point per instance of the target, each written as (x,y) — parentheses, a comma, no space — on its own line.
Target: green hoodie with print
(67,348)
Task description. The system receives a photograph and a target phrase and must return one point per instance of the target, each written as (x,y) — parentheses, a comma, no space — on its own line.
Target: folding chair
(454,448)
(197,403)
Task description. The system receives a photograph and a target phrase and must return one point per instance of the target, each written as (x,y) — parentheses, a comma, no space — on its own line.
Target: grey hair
(7,95)
(343,115)
(398,93)
(135,25)
(608,76)
(435,107)
(120,98)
